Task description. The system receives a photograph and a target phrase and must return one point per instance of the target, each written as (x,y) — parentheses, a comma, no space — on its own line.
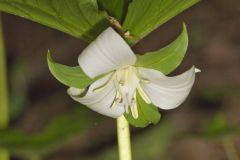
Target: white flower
(115,93)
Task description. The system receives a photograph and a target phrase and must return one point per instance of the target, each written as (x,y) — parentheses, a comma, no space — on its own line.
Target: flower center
(126,81)
(127,85)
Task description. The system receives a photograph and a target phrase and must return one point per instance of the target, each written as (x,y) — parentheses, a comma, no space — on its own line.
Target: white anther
(133,107)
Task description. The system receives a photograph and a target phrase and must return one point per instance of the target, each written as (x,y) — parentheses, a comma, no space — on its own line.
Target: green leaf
(79,18)
(147,114)
(218,123)
(51,138)
(144,16)
(217,127)
(166,59)
(70,76)
(115,8)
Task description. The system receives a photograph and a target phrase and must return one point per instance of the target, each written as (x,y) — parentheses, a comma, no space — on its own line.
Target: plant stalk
(124,143)
(230,148)
(3,91)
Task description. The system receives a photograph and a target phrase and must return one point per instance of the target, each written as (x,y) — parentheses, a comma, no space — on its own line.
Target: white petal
(108,52)
(100,101)
(167,92)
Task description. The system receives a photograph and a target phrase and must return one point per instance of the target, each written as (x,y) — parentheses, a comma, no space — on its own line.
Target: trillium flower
(116,93)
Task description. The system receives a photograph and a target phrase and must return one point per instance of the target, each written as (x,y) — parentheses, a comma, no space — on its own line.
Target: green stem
(124,144)
(3,91)
(230,149)
(35,157)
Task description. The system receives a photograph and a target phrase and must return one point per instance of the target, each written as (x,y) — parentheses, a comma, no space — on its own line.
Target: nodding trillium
(118,85)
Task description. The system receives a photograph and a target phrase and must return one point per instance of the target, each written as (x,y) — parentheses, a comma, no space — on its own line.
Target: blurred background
(50,126)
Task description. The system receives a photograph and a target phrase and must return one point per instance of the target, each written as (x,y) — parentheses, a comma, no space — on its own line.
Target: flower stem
(124,144)
(35,157)
(3,91)
(230,149)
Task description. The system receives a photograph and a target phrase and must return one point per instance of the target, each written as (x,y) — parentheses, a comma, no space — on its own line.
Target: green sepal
(69,76)
(147,114)
(145,16)
(168,58)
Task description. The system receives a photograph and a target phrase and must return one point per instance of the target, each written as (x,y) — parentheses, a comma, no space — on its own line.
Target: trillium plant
(110,78)
(115,84)
(119,82)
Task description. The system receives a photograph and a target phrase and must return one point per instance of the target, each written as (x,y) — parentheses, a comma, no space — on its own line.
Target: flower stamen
(133,107)
(126,75)
(146,81)
(100,88)
(113,104)
(121,83)
(143,94)
(118,99)
(126,107)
